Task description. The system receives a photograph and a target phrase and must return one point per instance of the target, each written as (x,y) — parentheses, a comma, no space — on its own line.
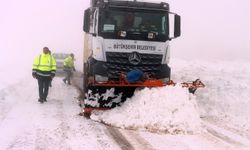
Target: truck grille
(119,62)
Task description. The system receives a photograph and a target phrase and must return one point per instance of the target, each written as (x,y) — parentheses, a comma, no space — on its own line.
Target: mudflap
(102,97)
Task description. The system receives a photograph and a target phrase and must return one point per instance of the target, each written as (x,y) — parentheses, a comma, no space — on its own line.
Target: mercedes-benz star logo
(134,58)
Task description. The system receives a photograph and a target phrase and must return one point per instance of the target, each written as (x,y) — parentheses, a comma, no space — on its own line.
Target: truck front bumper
(113,70)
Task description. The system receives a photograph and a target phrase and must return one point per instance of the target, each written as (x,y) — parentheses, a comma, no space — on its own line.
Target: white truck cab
(125,35)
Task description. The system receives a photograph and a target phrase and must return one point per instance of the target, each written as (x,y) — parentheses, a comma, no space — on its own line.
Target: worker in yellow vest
(44,69)
(68,67)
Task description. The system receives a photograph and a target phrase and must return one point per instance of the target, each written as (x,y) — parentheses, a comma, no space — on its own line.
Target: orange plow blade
(103,96)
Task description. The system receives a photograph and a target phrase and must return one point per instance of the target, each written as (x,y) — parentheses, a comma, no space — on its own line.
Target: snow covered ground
(217,117)
(226,98)
(26,124)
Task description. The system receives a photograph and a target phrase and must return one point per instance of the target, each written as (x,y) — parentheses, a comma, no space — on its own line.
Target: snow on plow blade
(103,96)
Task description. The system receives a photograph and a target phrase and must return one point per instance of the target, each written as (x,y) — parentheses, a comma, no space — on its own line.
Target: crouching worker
(68,67)
(44,69)
(135,76)
(195,84)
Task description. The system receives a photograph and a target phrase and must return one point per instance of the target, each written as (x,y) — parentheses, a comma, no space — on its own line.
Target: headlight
(100,79)
(165,80)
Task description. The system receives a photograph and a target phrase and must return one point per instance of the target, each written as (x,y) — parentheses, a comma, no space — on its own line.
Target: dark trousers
(43,84)
(68,75)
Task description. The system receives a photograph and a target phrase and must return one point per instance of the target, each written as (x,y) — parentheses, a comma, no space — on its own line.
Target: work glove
(52,76)
(34,75)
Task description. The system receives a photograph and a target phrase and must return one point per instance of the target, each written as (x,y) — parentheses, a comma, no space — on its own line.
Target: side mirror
(86,23)
(177,26)
(174,25)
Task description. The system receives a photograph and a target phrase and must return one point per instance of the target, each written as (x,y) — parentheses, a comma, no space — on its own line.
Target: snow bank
(168,109)
(226,97)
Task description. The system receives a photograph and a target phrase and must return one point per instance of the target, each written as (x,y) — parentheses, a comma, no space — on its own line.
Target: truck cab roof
(131,4)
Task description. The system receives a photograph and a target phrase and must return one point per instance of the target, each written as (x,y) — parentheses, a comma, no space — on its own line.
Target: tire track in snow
(212,120)
(227,136)
(122,142)
(128,139)
(136,140)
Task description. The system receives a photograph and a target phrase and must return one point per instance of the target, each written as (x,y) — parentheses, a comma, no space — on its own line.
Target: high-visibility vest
(68,62)
(44,65)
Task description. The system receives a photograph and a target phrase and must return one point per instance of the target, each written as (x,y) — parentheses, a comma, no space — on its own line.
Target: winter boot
(64,80)
(40,100)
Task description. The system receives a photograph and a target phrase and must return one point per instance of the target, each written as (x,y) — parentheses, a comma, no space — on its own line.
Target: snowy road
(26,124)
(54,125)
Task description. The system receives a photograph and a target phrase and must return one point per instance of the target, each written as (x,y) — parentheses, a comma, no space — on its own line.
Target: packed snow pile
(165,109)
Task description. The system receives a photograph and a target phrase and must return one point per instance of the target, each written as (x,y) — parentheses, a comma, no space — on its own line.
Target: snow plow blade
(104,96)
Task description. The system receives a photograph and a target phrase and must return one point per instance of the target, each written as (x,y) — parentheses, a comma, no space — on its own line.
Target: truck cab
(125,35)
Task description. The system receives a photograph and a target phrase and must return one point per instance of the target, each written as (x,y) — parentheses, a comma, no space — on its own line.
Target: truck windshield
(134,25)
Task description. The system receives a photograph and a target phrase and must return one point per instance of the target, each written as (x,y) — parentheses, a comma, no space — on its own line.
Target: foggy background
(211,30)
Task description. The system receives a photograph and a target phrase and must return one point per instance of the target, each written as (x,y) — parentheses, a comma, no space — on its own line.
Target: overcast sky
(210,29)
(213,29)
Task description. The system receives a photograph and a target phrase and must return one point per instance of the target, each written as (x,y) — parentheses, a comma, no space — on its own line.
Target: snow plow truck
(126,46)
